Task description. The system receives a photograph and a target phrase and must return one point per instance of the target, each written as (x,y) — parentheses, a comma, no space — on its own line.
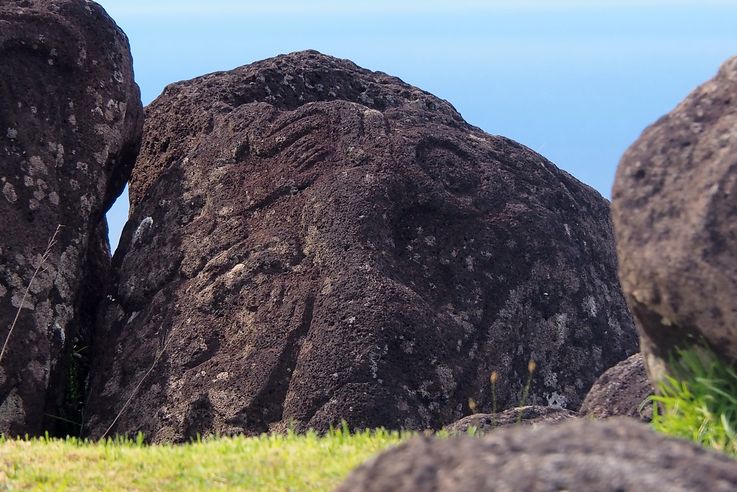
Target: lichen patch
(9,193)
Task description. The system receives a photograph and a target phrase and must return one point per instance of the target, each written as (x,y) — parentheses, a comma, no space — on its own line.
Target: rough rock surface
(530,415)
(621,391)
(674,211)
(310,241)
(618,454)
(70,123)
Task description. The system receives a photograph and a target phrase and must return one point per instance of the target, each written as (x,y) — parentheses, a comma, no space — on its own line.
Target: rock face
(310,241)
(529,415)
(70,124)
(622,390)
(618,454)
(674,214)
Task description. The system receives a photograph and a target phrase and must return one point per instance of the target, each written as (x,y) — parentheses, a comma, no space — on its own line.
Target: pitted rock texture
(622,390)
(674,213)
(70,124)
(615,455)
(482,423)
(310,241)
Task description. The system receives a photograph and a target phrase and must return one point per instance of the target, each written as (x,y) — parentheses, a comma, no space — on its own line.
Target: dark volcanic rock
(674,211)
(70,124)
(615,455)
(530,415)
(622,390)
(311,241)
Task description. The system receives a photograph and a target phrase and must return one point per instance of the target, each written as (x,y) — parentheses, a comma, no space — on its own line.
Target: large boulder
(70,126)
(674,212)
(310,241)
(622,390)
(615,455)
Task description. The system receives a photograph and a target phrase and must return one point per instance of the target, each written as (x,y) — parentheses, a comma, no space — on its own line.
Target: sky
(575,80)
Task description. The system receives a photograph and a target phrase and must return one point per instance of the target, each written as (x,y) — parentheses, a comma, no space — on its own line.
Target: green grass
(288,462)
(698,401)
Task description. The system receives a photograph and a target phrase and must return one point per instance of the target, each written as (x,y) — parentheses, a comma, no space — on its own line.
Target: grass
(288,462)
(698,401)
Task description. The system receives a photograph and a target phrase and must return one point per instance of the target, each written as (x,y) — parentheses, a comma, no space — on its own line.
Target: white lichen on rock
(9,193)
(58,331)
(556,400)
(445,378)
(11,410)
(561,327)
(590,306)
(141,229)
(17,299)
(550,378)
(36,166)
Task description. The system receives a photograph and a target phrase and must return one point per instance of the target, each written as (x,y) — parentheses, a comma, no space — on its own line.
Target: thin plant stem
(493,378)
(531,366)
(56,417)
(44,259)
(135,390)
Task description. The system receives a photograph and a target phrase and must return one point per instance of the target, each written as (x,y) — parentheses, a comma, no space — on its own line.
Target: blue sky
(576,80)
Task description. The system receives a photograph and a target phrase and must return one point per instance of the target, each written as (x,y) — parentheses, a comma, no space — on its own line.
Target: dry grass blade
(44,259)
(135,390)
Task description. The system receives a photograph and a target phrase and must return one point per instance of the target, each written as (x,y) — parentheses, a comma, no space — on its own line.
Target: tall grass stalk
(531,367)
(493,378)
(44,258)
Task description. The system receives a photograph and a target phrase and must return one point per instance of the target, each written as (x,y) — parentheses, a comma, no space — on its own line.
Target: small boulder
(482,423)
(614,455)
(621,391)
(70,126)
(674,212)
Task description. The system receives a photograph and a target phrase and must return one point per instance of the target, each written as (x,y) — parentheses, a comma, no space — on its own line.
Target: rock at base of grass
(621,391)
(528,415)
(618,454)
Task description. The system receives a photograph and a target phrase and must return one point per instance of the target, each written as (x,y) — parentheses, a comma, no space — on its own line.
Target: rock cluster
(311,242)
(622,390)
(676,238)
(70,126)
